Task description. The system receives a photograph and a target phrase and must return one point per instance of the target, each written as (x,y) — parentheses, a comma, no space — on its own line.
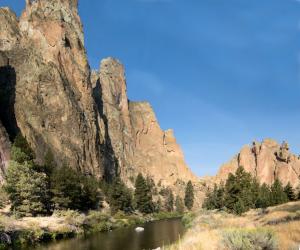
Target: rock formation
(53,107)
(84,118)
(4,151)
(139,144)
(266,161)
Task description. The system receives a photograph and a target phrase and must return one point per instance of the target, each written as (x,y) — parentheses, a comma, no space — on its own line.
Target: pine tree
(278,196)
(239,207)
(179,205)
(290,193)
(120,197)
(26,189)
(212,200)
(72,190)
(21,151)
(143,196)
(170,201)
(189,196)
(264,197)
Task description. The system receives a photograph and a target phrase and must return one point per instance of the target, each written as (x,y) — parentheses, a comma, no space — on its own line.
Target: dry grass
(281,226)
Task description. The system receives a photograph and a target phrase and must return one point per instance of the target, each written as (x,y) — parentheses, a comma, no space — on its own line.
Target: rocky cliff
(139,144)
(84,118)
(266,161)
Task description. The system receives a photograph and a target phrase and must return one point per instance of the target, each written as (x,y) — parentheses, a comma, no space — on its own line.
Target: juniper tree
(179,204)
(289,191)
(170,201)
(264,197)
(26,188)
(189,196)
(278,196)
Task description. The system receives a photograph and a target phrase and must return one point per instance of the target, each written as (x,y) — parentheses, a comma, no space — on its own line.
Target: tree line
(35,189)
(242,192)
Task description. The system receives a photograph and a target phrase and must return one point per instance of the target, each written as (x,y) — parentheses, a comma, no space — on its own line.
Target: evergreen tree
(189,196)
(212,201)
(143,195)
(26,189)
(239,188)
(120,197)
(289,191)
(254,192)
(264,197)
(278,196)
(179,205)
(21,151)
(72,190)
(170,201)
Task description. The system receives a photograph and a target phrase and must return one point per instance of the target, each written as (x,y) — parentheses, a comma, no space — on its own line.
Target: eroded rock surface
(267,160)
(83,117)
(54,107)
(140,145)
(4,151)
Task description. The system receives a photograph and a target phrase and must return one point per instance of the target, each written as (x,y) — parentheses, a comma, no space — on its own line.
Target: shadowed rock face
(267,160)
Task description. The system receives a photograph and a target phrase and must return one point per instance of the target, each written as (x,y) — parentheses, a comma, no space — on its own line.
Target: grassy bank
(272,228)
(66,224)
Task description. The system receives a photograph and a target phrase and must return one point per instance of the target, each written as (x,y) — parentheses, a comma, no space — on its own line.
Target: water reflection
(156,234)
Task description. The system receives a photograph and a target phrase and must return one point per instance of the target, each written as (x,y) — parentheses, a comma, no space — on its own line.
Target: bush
(188,219)
(249,239)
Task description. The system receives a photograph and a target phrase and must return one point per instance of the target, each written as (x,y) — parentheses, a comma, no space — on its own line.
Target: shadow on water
(156,234)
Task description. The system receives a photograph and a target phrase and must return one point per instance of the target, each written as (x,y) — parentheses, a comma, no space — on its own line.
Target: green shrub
(188,219)
(249,239)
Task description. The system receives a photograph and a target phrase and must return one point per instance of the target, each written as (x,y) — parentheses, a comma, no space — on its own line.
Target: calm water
(156,234)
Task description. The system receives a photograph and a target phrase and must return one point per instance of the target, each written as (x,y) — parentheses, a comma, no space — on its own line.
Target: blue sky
(221,73)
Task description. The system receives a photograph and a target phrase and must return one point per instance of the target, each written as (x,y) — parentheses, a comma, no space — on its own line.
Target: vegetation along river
(156,234)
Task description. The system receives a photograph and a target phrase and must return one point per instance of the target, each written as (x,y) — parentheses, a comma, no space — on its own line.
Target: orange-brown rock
(54,107)
(94,129)
(266,161)
(139,144)
(4,151)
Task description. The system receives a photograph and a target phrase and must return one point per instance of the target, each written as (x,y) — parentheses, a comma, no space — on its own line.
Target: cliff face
(140,145)
(4,151)
(54,107)
(267,160)
(84,118)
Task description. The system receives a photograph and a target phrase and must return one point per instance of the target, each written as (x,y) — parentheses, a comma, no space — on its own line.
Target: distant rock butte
(83,117)
(266,161)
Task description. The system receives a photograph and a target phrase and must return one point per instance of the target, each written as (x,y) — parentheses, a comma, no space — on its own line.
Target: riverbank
(29,231)
(273,228)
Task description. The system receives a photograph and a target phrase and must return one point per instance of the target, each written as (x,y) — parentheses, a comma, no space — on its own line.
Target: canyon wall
(83,117)
(266,161)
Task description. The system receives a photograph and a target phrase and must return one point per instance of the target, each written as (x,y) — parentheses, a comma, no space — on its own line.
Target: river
(156,234)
